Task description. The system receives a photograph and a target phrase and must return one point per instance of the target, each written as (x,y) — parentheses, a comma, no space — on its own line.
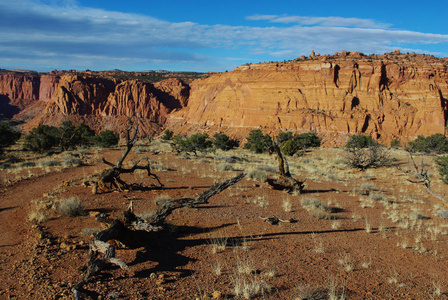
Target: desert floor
(369,234)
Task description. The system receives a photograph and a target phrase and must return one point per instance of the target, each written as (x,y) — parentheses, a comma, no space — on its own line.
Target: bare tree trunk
(285,180)
(111,176)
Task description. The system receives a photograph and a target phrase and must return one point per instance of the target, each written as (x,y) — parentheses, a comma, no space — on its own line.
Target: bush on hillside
(359,141)
(167,135)
(442,163)
(42,138)
(194,143)
(106,138)
(8,136)
(223,142)
(291,144)
(436,143)
(257,142)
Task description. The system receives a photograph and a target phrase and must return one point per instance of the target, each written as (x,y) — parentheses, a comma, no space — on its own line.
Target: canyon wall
(102,103)
(391,96)
(383,98)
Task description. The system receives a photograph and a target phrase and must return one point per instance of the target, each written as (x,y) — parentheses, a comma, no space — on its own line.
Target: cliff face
(382,98)
(388,96)
(17,91)
(105,103)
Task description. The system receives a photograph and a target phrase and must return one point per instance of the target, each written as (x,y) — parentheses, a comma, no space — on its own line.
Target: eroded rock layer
(102,103)
(387,96)
(383,98)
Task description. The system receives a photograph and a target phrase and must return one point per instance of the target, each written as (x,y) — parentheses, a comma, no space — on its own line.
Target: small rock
(217,295)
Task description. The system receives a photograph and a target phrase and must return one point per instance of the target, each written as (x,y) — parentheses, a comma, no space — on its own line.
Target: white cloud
(65,34)
(321,21)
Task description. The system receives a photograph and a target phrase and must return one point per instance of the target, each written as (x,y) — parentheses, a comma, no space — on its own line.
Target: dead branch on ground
(132,231)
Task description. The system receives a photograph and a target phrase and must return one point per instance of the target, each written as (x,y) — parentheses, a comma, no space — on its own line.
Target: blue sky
(208,35)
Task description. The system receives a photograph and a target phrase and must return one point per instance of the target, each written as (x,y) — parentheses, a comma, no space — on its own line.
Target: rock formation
(380,96)
(387,96)
(102,103)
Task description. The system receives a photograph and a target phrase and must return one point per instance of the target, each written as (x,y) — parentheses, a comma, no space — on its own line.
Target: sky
(202,36)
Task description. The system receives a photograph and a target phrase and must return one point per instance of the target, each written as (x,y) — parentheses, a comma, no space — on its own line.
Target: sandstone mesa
(386,96)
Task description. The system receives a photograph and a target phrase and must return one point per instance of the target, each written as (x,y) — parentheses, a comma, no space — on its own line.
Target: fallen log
(133,232)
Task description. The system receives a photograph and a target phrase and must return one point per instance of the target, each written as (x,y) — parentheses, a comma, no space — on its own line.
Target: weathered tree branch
(422,173)
(133,231)
(111,176)
(285,180)
(168,206)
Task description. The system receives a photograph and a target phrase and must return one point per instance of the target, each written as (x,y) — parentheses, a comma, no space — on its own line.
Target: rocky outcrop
(381,97)
(387,96)
(106,103)
(17,91)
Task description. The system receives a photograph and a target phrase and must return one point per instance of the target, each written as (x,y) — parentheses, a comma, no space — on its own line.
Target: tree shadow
(318,191)
(166,248)
(7,208)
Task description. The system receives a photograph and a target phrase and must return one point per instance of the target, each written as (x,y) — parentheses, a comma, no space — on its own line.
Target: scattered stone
(217,295)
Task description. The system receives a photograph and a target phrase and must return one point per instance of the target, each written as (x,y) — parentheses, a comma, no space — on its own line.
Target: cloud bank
(60,34)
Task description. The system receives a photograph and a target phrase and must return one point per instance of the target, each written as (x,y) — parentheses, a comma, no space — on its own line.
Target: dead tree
(285,180)
(110,178)
(421,173)
(133,231)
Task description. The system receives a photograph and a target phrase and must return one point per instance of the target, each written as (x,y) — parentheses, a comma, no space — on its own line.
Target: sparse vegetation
(44,137)
(363,152)
(8,136)
(258,142)
(223,142)
(194,143)
(106,138)
(292,144)
(167,135)
(436,143)
(71,207)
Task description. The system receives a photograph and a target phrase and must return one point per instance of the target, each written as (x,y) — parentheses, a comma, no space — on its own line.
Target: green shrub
(8,136)
(42,138)
(257,142)
(82,135)
(395,144)
(223,142)
(442,163)
(106,138)
(291,144)
(73,136)
(167,135)
(436,143)
(194,143)
(289,147)
(284,136)
(360,141)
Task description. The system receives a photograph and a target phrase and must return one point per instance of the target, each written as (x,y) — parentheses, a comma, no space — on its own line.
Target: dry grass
(257,175)
(346,261)
(71,207)
(287,205)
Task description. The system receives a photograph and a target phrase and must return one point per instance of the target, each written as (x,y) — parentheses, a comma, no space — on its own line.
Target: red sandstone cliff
(106,103)
(387,96)
(382,97)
